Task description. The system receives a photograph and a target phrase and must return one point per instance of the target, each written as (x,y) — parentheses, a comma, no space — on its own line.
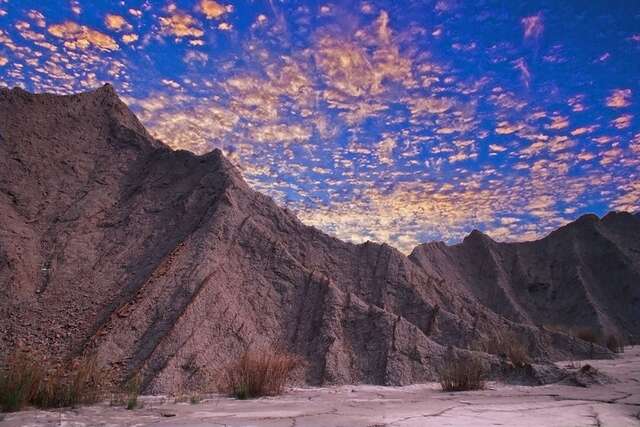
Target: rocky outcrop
(583,275)
(167,263)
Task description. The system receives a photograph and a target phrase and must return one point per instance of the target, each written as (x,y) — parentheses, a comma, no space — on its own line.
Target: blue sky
(395,121)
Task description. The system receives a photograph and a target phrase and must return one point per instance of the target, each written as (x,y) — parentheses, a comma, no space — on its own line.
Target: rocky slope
(583,275)
(167,263)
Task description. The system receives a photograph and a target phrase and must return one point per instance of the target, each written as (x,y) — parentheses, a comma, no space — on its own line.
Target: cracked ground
(616,404)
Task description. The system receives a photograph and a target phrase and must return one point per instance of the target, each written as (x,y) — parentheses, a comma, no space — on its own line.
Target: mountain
(167,264)
(583,275)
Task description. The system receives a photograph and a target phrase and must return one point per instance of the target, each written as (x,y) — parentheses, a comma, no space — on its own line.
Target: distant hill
(583,275)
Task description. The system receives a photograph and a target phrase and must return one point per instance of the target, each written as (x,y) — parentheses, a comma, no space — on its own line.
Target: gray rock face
(167,263)
(583,275)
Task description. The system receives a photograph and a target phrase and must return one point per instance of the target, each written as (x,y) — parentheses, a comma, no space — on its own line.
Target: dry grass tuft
(28,379)
(614,343)
(516,351)
(587,334)
(257,373)
(20,380)
(507,345)
(462,374)
(133,387)
(81,382)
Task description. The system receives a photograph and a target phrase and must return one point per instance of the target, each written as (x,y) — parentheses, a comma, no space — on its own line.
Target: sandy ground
(615,405)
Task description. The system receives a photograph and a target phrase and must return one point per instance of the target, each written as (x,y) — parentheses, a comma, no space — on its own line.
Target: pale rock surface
(616,404)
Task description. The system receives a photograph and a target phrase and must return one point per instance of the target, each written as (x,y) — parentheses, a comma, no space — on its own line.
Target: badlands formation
(165,264)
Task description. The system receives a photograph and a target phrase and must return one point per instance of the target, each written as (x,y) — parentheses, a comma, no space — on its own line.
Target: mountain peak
(477,235)
(588,218)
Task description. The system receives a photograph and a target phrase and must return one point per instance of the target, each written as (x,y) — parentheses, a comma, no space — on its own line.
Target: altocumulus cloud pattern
(396,121)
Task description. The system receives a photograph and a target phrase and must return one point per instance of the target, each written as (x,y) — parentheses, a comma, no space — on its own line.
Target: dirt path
(615,405)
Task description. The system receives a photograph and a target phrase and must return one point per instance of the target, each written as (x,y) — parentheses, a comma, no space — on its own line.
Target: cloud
(38,17)
(584,130)
(629,200)
(280,133)
(385,151)
(506,128)
(365,130)
(212,9)
(180,25)
(533,26)
(193,57)
(525,75)
(75,7)
(623,121)
(116,23)
(129,38)
(619,98)
(359,73)
(558,122)
(186,123)
(82,37)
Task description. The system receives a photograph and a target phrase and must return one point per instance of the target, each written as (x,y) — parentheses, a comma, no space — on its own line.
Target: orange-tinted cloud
(129,38)
(180,25)
(116,23)
(619,98)
(82,37)
(212,9)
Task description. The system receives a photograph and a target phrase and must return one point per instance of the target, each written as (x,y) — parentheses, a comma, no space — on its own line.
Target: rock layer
(166,263)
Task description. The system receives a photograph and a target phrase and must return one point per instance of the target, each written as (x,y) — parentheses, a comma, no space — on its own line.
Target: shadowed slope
(583,275)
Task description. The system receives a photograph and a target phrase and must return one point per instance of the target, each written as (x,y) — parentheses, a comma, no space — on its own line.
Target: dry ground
(615,405)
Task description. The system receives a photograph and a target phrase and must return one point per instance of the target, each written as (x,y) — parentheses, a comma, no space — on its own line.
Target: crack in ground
(413,417)
(609,401)
(294,420)
(596,418)
(518,410)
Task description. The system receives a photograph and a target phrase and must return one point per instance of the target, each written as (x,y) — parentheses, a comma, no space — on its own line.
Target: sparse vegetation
(512,347)
(507,345)
(80,382)
(27,379)
(133,388)
(587,334)
(588,369)
(20,380)
(257,373)
(462,374)
(614,343)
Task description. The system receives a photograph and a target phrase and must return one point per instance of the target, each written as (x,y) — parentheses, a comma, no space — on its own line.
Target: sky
(393,121)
